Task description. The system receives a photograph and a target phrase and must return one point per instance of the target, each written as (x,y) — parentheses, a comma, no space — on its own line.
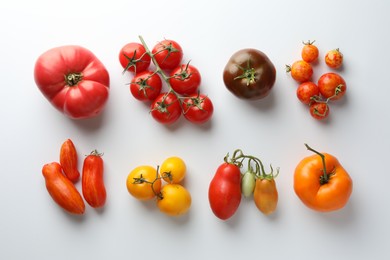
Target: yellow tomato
(174,200)
(143,182)
(173,170)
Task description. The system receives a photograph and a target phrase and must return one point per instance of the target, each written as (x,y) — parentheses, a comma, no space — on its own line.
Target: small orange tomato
(174,200)
(319,110)
(62,190)
(69,160)
(334,59)
(300,70)
(173,170)
(309,52)
(143,182)
(266,195)
(321,183)
(93,188)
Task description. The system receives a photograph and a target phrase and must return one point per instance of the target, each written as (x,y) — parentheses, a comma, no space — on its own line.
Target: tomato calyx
(308,42)
(132,61)
(324,178)
(96,153)
(194,102)
(72,79)
(183,74)
(249,73)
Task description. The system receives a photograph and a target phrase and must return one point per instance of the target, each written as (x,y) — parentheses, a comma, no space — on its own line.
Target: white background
(274,129)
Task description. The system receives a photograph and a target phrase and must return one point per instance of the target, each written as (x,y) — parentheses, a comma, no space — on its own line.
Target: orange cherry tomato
(93,188)
(309,52)
(300,70)
(62,190)
(174,200)
(334,59)
(321,183)
(266,195)
(69,160)
(143,182)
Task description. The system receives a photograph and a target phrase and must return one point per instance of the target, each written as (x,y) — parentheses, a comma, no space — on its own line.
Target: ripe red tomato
(334,59)
(306,91)
(197,108)
(69,160)
(185,79)
(73,80)
(332,86)
(301,71)
(166,108)
(168,54)
(309,52)
(133,57)
(319,110)
(225,191)
(146,85)
(93,187)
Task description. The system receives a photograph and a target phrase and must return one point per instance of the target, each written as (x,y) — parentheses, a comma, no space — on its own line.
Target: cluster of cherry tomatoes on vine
(330,86)
(161,66)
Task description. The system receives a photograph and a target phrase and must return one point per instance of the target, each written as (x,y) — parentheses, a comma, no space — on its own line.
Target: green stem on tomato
(325,176)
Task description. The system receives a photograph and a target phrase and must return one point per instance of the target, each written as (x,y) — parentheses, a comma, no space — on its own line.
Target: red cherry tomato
(319,110)
(133,57)
(306,91)
(185,79)
(166,108)
(301,71)
(309,52)
(197,108)
(334,59)
(168,54)
(73,80)
(332,86)
(225,191)
(146,85)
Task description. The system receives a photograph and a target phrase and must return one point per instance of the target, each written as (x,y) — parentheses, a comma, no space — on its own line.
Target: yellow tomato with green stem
(173,169)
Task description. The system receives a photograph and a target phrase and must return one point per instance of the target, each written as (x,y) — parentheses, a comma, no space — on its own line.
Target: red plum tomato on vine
(319,110)
(133,57)
(309,52)
(168,54)
(332,86)
(166,108)
(249,74)
(146,85)
(197,108)
(73,80)
(185,79)
(306,91)
(334,59)
(301,71)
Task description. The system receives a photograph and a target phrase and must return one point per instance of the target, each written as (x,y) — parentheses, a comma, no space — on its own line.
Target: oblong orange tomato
(69,160)
(61,189)
(265,195)
(92,181)
(318,192)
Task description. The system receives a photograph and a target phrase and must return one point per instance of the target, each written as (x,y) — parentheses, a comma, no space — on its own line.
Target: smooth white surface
(275,129)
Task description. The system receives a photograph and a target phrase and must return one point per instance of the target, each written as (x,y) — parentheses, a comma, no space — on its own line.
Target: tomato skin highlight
(93,187)
(225,191)
(73,80)
(265,195)
(331,196)
(62,190)
(69,160)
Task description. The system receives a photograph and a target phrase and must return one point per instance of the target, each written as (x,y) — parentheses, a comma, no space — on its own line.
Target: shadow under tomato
(90,124)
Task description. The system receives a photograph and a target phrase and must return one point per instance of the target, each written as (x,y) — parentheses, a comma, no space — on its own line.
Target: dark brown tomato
(249,74)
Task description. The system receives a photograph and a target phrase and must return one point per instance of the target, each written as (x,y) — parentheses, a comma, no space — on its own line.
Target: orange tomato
(69,160)
(174,200)
(143,182)
(266,195)
(321,183)
(300,70)
(62,190)
(173,170)
(309,52)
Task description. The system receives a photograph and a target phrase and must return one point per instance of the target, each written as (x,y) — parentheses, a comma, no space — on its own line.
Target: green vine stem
(325,176)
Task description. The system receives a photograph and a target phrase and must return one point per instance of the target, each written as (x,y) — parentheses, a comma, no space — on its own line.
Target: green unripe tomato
(248,183)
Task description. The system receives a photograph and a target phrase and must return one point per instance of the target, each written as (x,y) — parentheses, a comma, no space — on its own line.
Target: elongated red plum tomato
(249,74)
(185,79)
(197,108)
(306,91)
(93,188)
(133,57)
(166,108)
(146,85)
(73,80)
(332,86)
(301,71)
(334,59)
(168,54)
(225,191)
